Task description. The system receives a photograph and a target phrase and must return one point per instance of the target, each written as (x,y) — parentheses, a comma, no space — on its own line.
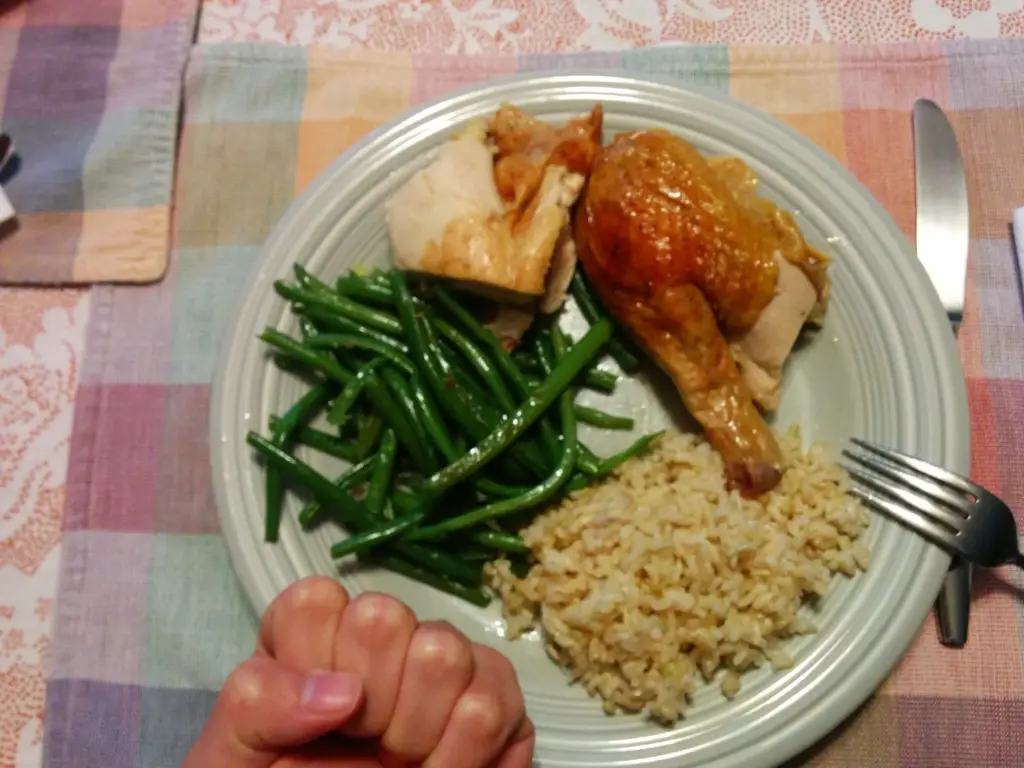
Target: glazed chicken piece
(715,283)
(492,210)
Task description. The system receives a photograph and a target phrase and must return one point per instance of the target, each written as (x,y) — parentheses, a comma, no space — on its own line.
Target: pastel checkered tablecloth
(103,391)
(149,617)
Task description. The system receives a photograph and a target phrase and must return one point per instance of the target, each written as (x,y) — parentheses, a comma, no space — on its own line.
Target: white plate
(884,368)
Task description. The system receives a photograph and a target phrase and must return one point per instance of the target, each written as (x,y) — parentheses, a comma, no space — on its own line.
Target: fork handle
(954,604)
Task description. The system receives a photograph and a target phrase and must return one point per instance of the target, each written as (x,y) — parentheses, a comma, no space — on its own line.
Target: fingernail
(331,692)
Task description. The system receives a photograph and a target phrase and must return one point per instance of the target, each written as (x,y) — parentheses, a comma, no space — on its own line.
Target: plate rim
(799,733)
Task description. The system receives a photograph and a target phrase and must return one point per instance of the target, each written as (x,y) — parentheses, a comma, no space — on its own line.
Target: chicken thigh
(705,274)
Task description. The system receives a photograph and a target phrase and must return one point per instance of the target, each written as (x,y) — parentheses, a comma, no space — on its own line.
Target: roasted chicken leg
(689,259)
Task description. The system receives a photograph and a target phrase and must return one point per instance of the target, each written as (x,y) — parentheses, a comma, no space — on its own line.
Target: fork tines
(925,498)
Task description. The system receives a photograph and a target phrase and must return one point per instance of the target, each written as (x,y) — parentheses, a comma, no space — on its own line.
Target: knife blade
(943,233)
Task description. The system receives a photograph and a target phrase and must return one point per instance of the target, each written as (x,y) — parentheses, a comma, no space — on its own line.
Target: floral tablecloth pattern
(533,26)
(42,331)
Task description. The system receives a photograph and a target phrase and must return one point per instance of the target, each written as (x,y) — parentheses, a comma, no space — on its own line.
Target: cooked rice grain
(659,574)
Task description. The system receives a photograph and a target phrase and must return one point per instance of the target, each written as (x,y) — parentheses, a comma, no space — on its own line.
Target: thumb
(266,708)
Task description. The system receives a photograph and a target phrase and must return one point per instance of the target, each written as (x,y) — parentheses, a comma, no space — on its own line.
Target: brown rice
(659,574)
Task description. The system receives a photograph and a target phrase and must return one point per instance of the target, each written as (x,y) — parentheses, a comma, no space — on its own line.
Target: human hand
(360,683)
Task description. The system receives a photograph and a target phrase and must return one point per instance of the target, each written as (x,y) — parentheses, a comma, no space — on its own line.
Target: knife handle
(954,604)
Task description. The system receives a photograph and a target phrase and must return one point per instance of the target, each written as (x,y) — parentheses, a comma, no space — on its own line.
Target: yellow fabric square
(129,243)
(823,128)
(798,81)
(365,85)
(322,141)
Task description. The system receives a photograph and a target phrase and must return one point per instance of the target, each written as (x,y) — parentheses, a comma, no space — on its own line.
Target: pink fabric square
(184,493)
(869,80)
(115,448)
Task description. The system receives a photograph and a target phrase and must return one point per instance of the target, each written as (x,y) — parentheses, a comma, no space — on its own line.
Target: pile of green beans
(452,442)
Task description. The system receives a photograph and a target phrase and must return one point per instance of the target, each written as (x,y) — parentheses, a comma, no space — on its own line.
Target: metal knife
(942,240)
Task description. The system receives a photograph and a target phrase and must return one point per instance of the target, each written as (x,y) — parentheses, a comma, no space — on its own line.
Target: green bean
(538,401)
(404,398)
(468,412)
(338,413)
(587,461)
(368,429)
(374,318)
(597,418)
(310,281)
(307,328)
(330,323)
(367,289)
(394,416)
(353,341)
(501,357)
(432,421)
(528,500)
(542,354)
(304,409)
(606,465)
(447,565)
(351,477)
(429,363)
(501,541)
(435,427)
(591,310)
(376,535)
(479,361)
(322,441)
(594,378)
(307,355)
(351,512)
(499,440)
(383,472)
(474,595)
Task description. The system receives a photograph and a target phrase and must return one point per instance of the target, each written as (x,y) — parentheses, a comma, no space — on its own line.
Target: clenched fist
(360,683)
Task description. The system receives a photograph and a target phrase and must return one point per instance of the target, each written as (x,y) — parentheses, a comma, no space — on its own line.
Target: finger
(438,668)
(266,707)
(485,717)
(333,751)
(300,626)
(372,641)
(519,753)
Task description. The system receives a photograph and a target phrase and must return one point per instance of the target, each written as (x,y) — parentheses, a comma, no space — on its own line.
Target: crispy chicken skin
(687,258)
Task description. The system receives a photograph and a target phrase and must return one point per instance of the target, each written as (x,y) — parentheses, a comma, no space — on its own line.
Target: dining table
(157,143)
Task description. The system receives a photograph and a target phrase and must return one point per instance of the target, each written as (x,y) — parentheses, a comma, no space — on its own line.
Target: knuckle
(440,647)
(380,613)
(481,713)
(243,688)
(315,592)
(499,662)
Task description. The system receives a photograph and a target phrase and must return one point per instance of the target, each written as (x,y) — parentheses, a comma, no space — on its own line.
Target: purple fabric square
(52,154)
(130,333)
(951,736)
(100,625)
(90,724)
(60,72)
(991,81)
(140,53)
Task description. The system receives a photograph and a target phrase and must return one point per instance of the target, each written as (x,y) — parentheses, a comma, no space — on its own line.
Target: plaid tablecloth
(150,619)
(90,91)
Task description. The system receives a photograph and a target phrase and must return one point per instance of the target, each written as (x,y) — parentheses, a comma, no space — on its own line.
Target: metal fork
(947,509)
